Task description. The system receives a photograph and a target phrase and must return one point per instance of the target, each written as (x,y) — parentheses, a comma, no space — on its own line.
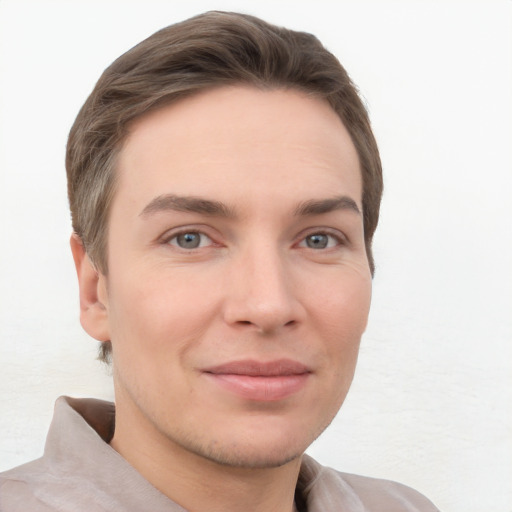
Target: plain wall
(431,404)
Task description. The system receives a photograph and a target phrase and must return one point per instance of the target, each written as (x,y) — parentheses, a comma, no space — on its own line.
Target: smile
(260,381)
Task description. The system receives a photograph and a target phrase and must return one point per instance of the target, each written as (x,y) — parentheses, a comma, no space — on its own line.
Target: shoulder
(327,489)
(18,488)
(376,494)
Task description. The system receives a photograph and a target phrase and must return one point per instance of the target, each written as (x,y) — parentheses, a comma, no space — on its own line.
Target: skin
(280,272)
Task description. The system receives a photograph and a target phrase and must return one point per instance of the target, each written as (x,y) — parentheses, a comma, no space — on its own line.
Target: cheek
(341,317)
(344,307)
(153,312)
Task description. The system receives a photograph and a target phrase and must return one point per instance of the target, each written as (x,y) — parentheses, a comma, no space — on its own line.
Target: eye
(320,241)
(190,240)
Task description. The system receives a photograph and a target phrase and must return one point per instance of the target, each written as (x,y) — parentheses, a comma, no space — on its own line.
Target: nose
(261,292)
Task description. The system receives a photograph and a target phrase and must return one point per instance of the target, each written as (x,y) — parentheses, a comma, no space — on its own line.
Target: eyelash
(339,239)
(174,236)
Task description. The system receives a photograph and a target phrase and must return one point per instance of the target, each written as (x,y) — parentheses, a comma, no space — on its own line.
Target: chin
(249,457)
(255,448)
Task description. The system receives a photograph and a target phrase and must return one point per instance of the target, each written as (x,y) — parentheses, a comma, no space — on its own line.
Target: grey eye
(317,241)
(188,240)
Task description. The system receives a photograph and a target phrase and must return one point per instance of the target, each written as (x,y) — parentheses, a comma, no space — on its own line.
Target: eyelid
(202,243)
(181,230)
(172,233)
(338,235)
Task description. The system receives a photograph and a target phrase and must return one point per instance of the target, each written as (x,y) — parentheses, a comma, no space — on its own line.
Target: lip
(260,381)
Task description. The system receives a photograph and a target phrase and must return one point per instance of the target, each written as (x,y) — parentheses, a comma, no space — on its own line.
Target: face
(238,285)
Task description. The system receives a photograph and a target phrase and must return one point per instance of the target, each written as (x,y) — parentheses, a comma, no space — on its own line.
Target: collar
(77,450)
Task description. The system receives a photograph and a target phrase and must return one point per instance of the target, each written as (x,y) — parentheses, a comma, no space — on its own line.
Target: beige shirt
(80,472)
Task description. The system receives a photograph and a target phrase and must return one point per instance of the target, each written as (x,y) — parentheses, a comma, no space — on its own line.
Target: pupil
(317,241)
(189,240)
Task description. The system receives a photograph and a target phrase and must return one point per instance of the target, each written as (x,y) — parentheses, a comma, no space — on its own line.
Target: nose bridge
(261,289)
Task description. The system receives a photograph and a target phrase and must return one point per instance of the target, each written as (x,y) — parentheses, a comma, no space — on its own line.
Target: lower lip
(261,388)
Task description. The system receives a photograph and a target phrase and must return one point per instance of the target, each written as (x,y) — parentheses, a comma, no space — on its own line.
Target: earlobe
(92,285)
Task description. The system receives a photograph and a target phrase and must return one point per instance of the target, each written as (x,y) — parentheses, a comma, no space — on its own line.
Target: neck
(199,484)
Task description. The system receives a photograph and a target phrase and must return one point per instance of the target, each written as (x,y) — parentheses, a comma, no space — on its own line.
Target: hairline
(99,252)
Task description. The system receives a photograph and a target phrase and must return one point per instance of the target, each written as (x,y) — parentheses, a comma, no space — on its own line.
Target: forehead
(237,141)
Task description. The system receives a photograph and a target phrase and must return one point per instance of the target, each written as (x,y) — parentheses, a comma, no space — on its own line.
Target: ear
(93,293)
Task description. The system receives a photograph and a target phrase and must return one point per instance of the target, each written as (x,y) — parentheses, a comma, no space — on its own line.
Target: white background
(431,404)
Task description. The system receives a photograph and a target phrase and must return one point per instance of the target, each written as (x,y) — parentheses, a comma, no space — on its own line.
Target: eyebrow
(191,204)
(319,206)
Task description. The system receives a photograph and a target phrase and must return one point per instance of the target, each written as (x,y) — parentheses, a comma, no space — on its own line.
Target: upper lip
(254,368)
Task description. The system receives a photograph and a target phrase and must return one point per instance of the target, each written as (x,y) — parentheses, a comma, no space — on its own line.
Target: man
(224,186)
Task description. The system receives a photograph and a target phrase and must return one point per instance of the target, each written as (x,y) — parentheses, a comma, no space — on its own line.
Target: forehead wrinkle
(189,204)
(319,206)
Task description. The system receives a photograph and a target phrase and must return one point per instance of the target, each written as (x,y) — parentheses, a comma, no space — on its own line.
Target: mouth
(260,381)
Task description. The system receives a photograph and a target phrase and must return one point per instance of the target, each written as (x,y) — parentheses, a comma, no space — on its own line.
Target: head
(204,52)
(194,106)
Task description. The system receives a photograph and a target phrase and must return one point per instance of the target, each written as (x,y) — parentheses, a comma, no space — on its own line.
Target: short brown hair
(212,49)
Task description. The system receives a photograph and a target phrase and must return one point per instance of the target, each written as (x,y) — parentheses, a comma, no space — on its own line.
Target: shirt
(79,471)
